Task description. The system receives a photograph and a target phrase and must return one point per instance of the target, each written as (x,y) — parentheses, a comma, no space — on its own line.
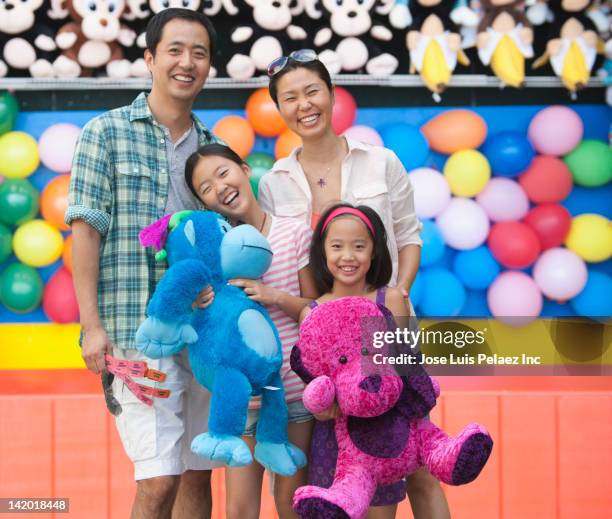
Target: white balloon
(560,273)
(503,200)
(431,192)
(464,224)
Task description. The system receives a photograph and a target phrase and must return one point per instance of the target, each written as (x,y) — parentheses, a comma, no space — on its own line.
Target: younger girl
(220,179)
(349,257)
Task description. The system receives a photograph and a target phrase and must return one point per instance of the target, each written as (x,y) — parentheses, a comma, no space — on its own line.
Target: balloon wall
(514,200)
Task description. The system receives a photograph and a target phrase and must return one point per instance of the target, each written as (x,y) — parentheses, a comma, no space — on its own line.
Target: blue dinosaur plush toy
(234,348)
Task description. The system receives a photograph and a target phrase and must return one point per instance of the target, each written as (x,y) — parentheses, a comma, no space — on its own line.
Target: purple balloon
(516,296)
(503,200)
(364,134)
(555,130)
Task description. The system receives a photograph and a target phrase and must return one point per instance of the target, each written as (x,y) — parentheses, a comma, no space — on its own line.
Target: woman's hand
(257,291)
(331,413)
(204,299)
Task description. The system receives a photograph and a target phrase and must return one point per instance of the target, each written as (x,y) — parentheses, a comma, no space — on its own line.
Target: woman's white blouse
(370,175)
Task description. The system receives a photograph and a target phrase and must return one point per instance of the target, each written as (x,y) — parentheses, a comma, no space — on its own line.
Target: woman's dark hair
(315,66)
(381,268)
(208,150)
(156,25)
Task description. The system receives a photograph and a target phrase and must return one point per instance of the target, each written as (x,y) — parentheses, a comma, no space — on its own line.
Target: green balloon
(260,160)
(6,239)
(21,288)
(256,174)
(8,112)
(590,163)
(18,201)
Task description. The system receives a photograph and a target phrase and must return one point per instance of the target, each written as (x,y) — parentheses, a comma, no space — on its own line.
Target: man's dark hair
(156,25)
(208,150)
(315,66)
(381,267)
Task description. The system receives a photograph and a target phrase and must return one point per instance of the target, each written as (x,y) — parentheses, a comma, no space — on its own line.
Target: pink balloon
(503,199)
(431,192)
(560,273)
(555,130)
(59,299)
(364,134)
(464,224)
(345,110)
(514,295)
(56,146)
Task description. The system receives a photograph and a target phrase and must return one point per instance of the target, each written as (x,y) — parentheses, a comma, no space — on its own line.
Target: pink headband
(347,210)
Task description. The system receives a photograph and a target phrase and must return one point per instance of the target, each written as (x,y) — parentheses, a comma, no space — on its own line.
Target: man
(128,171)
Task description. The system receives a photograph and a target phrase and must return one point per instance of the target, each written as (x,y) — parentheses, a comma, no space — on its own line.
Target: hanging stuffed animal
(382,431)
(350,41)
(573,43)
(434,43)
(234,348)
(92,38)
(269,32)
(27,46)
(505,39)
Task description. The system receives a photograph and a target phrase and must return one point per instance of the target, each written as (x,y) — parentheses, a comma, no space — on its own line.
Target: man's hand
(257,291)
(95,345)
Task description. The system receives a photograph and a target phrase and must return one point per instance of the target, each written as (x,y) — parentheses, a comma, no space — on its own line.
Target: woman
(329,168)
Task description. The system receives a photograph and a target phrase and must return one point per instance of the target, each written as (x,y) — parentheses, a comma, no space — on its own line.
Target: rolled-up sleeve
(90,195)
(406,225)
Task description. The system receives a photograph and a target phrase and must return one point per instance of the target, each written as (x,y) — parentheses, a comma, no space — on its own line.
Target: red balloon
(59,299)
(547,179)
(514,244)
(551,222)
(345,110)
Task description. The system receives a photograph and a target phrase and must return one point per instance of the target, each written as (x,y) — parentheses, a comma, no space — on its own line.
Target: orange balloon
(263,114)
(286,143)
(237,133)
(67,254)
(455,130)
(54,201)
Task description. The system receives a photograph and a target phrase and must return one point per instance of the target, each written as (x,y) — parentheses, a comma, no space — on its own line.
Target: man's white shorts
(157,439)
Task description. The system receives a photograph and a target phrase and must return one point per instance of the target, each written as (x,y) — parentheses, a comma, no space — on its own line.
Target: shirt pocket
(135,194)
(297,210)
(375,195)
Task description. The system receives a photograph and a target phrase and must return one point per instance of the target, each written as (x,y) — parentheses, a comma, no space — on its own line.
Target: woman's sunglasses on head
(301,56)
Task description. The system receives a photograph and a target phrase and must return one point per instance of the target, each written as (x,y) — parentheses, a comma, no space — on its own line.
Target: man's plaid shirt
(119,185)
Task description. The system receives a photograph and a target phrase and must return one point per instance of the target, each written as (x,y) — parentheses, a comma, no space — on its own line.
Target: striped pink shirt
(290,240)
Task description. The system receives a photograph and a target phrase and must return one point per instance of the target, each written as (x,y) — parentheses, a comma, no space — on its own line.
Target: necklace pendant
(321,183)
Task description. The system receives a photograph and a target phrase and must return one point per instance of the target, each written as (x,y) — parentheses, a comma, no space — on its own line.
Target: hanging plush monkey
(434,43)
(505,39)
(572,44)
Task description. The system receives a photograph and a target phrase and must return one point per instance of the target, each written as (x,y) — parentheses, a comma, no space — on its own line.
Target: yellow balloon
(37,243)
(590,237)
(467,172)
(18,155)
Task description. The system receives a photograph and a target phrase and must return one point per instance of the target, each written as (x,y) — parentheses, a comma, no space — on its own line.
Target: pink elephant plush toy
(383,432)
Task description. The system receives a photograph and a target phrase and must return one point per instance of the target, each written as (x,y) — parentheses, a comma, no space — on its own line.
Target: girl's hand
(204,299)
(257,291)
(330,413)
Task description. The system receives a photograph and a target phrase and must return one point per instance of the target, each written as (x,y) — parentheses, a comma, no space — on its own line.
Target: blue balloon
(508,153)
(443,293)
(590,200)
(475,304)
(476,268)
(408,143)
(433,243)
(554,309)
(594,300)
(416,291)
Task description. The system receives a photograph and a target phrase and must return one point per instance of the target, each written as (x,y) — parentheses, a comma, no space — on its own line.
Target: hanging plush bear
(382,431)
(27,47)
(352,38)
(92,38)
(434,43)
(270,29)
(572,43)
(505,39)
(234,348)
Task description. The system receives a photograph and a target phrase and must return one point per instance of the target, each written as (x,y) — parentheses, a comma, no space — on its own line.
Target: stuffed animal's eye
(339,2)
(185,3)
(343,360)
(365,351)
(92,6)
(165,4)
(111,8)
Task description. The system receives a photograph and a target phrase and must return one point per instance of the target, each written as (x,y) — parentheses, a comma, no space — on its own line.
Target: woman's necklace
(322,182)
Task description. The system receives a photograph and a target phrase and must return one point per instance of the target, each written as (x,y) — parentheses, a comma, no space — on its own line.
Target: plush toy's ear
(295,360)
(155,234)
(418,396)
